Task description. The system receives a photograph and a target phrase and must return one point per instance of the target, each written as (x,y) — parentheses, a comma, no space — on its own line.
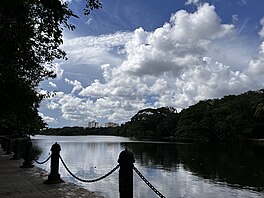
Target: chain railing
(148,183)
(35,160)
(126,164)
(91,180)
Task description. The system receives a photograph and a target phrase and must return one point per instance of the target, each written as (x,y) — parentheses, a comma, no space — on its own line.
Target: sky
(132,55)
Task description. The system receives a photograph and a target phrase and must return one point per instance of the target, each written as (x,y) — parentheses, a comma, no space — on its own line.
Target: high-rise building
(111,124)
(93,124)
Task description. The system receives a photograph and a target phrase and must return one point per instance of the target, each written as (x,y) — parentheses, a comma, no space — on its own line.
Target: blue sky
(131,55)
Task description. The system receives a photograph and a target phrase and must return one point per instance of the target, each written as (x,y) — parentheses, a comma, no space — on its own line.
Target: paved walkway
(19,182)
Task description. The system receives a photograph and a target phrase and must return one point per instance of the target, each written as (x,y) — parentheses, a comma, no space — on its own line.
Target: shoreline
(90,194)
(256,140)
(161,140)
(28,182)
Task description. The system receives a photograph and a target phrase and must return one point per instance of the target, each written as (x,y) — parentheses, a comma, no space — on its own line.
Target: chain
(43,161)
(92,180)
(35,160)
(148,183)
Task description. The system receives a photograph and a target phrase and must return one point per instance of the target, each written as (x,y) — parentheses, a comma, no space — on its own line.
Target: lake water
(176,170)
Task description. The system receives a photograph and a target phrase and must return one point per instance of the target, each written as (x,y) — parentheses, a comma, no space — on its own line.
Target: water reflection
(158,155)
(237,164)
(177,170)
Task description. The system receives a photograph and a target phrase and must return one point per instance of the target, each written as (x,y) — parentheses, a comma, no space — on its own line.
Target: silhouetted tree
(31,33)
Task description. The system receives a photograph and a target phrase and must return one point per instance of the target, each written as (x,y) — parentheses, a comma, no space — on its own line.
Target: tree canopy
(231,118)
(31,35)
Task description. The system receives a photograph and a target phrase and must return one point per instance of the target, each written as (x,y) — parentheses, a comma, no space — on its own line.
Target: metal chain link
(43,161)
(92,180)
(148,183)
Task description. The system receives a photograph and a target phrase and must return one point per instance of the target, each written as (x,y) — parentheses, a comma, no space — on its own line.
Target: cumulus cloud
(77,86)
(256,64)
(171,66)
(212,80)
(47,119)
(71,107)
(53,105)
(177,45)
(83,110)
(163,67)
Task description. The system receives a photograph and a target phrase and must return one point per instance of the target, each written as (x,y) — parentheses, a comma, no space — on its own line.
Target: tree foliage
(31,34)
(153,123)
(231,118)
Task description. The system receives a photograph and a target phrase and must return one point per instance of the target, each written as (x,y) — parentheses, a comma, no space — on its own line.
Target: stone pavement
(20,182)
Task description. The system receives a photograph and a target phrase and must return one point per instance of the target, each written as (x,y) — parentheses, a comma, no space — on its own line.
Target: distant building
(111,124)
(93,124)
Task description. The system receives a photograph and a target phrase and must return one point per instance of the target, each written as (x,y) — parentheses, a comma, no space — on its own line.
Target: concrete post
(54,176)
(28,155)
(126,160)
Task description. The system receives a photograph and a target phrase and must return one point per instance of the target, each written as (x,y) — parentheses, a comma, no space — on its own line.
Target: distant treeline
(234,118)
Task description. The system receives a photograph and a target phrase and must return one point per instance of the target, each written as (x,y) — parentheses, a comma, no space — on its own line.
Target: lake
(176,170)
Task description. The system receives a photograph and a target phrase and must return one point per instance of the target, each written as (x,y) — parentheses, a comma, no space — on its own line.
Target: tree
(31,34)
(230,118)
(259,113)
(152,123)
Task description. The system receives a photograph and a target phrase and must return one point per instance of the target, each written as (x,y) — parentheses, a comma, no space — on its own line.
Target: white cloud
(56,68)
(164,67)
(177,45)
(82,110)
(47,119)
(98,50)
(256,64)
(52,84)
(71,107)
(203,24)
(188,2)
(77,86)
(261,32)
(52,105)
(178,64)
(68,1)
(210,81)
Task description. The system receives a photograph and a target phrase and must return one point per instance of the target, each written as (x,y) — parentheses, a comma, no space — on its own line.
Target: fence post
(2,140)
(126,160)
(8,146)
(54,176)
(27,155)
(4,143)
(16,150)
